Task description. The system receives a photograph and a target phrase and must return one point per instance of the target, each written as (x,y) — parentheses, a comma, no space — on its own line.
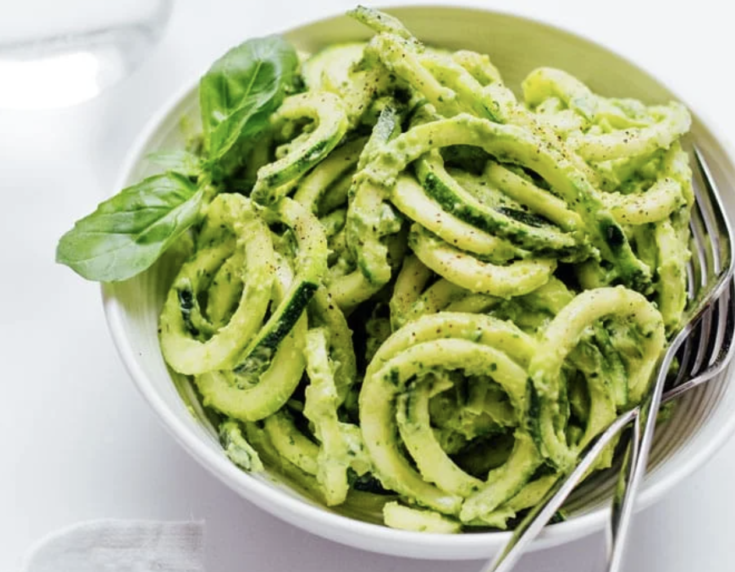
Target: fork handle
(617,514)
(634,467)
(537,518)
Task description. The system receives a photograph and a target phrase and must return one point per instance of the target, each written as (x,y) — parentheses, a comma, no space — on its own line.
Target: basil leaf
(127,233)
(181,162)
(242,89)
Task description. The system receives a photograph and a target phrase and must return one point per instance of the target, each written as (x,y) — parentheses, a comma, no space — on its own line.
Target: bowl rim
(280,504)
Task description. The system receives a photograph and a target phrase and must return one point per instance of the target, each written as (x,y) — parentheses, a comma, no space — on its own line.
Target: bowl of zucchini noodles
(451,257)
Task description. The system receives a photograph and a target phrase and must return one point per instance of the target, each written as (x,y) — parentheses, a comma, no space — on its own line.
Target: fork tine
(722,358)
(698,262)
(687,355)
(720,318)
(705,328)
(705,259)
(712,215)
(716,207)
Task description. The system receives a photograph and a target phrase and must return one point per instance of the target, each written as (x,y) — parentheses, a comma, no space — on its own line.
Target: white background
(76,440)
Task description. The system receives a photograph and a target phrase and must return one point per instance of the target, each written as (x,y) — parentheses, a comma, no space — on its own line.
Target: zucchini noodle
(427,295)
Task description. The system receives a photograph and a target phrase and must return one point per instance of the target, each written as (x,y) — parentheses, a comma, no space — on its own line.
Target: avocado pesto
(410,292)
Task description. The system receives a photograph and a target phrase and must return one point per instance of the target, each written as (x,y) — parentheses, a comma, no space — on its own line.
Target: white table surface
(77,440)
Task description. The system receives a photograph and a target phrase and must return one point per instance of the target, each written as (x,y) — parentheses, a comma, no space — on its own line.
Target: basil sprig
(126,234)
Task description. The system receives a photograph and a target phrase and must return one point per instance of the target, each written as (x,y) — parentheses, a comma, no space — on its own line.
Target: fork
(705,339)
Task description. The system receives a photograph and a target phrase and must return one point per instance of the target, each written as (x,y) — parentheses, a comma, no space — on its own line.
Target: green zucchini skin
(269,368)
(338,163)
(522,147)
(504,281)
(368,218)
(528,194)
(328,112)
(522,229)
(311,266)
(464,84)
(227,392)
(409,197)
(181,322)
(370,221)
(259,357)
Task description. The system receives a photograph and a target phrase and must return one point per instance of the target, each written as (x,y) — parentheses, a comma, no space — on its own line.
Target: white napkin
(121,546)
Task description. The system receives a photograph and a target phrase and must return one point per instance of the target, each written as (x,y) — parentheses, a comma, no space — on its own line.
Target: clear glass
(58,53)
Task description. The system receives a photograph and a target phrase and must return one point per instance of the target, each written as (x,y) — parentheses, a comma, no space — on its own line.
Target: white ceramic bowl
(702,422)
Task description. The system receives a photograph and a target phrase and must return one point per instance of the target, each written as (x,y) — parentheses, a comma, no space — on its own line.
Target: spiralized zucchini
(432,294)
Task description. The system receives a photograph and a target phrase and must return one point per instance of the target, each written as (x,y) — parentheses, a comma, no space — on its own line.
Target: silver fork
(705,340)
